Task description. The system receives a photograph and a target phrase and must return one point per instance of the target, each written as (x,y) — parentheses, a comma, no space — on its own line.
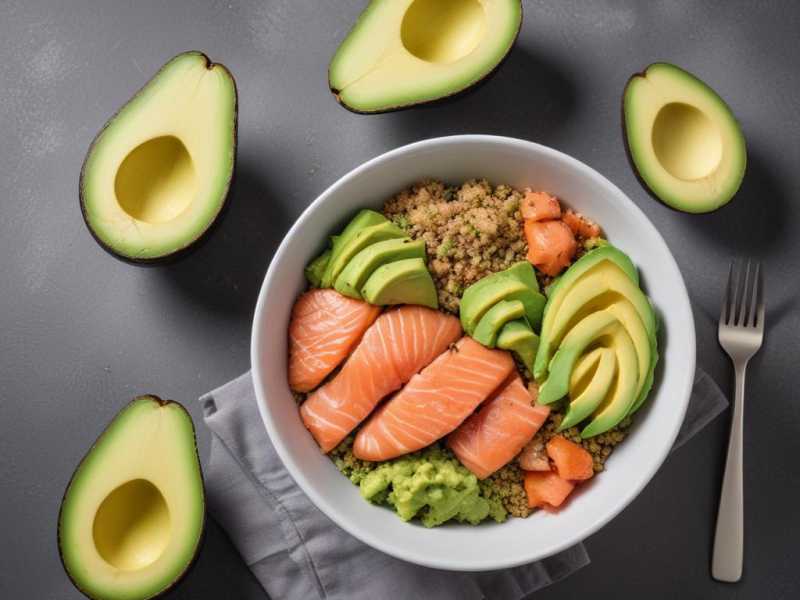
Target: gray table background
(81,333)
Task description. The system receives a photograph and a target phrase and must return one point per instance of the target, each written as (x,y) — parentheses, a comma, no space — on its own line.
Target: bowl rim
(367,536)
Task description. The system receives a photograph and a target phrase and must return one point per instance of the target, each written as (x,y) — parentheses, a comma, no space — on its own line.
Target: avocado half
(682,139)
(402,53)
(156,177)
(133,515)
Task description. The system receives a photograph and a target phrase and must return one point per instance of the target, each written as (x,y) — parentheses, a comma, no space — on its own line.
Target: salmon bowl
(520,165)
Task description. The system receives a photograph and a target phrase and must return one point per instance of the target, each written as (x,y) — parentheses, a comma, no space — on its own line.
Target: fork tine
(755,295)
(759,323)
(736,287)
(744,296)
(725,311)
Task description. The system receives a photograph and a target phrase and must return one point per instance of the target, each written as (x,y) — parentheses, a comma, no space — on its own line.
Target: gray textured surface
(81,333)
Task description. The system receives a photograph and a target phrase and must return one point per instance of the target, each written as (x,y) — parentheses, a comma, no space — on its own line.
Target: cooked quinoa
(471,231)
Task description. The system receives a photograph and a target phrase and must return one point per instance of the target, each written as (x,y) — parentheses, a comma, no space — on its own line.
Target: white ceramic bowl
(517,541)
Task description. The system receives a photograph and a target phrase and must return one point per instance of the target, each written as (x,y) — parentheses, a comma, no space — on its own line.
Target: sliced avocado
(347,247)
(409,52)
(584,334)
(518,337)
(156,177)
(404,281)
(683,141)
(133,514)
(518,282)
(562,290)
(588,390)
(316,268)
(644,342)
(495,318)
(622,394)
(361,266)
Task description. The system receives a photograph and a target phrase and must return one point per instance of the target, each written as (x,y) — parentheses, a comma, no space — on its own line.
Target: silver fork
(741,332)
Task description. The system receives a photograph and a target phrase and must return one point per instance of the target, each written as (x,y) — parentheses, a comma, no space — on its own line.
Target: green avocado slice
(347,246)
(518,282)
(622,394)
(586,396)
(587,332)
(316,268)
(406,281)
(362,265)
(495,318)
(133,514)
(518,337)
(560,293)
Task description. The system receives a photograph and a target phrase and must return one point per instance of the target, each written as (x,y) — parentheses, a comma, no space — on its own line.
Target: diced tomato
(546,489)
(539,206)
(572,461)
(533,456)
(580,225)
(551,245)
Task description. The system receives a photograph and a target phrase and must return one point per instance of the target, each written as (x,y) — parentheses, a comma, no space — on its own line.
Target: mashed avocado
(432,485)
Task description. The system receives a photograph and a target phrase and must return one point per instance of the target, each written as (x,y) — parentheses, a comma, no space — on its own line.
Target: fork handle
(726,564)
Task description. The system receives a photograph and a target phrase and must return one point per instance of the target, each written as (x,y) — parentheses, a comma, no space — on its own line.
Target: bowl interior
(520,164)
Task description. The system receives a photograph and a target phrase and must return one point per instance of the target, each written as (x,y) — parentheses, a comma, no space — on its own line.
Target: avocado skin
(626,144)
(200,239)
(443,100)
(201,539)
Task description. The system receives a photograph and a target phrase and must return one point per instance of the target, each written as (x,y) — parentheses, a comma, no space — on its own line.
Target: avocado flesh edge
(622,396)
(645,94)
(405,281)
(117,458)
(518,337)
(584,404)
(362,265)
(518,282)
(147,125)
(316,268)
(585,333)
(364,218)
(495,318)
(631,307)
(346,249)
(372,71)
(560,291)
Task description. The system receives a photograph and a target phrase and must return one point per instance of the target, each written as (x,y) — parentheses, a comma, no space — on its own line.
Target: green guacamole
(431,485)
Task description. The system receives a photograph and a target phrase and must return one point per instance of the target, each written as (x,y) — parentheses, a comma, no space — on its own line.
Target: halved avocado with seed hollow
(133,515)
(682,139)
(156,177)
(402,53)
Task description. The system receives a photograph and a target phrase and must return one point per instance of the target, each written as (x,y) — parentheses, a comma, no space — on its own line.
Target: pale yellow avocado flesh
(683,139)
(132,517)
(157,176)
(405,52)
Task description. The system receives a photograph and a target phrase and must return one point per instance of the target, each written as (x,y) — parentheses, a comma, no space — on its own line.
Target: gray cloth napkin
(295,551)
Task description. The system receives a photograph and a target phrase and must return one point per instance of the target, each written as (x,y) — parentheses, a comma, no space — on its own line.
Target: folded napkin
(295,551)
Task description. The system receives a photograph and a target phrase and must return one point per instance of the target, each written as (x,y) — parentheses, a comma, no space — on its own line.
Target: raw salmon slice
(539,206)
(495,434)
(400,343)
(325,327)
(434,402)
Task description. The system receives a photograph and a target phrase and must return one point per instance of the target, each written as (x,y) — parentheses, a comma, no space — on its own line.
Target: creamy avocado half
(133,514)
(682,139)
(406,52)
(157,175)
(598,342)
